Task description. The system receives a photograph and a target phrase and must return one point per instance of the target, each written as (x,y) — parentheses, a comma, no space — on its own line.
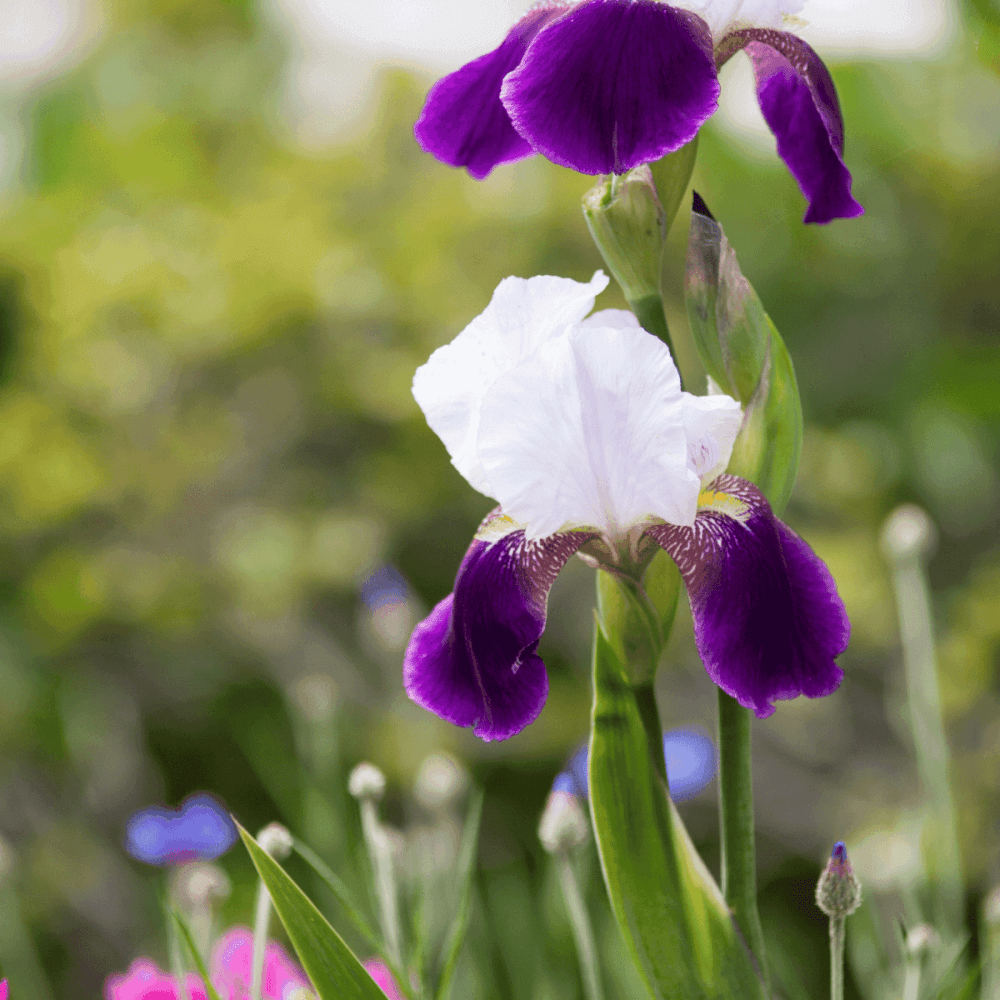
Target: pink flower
(379,971)
(232,970)
(3,990)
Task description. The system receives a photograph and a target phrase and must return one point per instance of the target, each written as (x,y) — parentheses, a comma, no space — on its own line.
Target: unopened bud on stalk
(908,533)
(564,824)
(200,884)
(628,224)
(921,939)
(838,893)
(366,782)
(441,782)
(275,840)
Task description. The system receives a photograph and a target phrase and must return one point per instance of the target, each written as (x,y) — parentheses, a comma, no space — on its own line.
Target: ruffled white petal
(522,315)
(589,432)
(617,319)
(711,424)
(723,16)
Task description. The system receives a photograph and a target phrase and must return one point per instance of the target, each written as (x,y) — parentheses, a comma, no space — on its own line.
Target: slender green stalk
(837,937)
(908,539)
(911,979)
(649,312)
(380,855)
(739,854)
(176,954)
(579,921)
(262,918)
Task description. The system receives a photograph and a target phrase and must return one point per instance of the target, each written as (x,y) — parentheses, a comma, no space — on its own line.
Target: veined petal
(614,84)
(799,103)
(472,661)
(589,432)
(523,314)
(463,122)
(767,617)
(711,424)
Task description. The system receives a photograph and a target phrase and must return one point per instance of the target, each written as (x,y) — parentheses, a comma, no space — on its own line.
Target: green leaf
(671,913)
(745,356)
(334,970)
(672,174)
(199,962)
(466,871)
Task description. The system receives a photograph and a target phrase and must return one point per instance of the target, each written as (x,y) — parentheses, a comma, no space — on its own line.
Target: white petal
(522,315)
(617,319)
(711,424)
(724,15)
(589,432)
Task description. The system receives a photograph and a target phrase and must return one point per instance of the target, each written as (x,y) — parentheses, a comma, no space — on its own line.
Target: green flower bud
(838,893)
(629,226)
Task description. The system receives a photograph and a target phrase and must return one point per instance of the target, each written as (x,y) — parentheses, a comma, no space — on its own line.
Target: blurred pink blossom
(231,971)
(379,971)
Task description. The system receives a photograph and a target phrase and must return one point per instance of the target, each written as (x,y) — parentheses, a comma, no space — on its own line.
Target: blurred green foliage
(207,337)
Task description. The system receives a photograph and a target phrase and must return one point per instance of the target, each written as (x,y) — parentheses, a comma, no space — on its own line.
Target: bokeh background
(222,256)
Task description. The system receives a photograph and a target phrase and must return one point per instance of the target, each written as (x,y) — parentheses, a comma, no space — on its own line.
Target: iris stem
(739,853)
(649,312)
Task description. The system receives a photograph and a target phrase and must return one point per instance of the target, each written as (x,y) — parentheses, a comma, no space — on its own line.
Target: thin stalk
(177,964)
(649,312)
(583,933)
(380,854)
(911,980)
(739,853)
(837,936)
(908,540)
(262,918)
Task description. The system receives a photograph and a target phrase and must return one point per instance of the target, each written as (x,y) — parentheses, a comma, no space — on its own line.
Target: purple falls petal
(614,84)
(463,122)
(472,661)
(800,105)
(767,617)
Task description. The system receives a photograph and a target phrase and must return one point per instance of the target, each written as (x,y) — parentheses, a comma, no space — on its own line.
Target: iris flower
(579,429)
(603,86)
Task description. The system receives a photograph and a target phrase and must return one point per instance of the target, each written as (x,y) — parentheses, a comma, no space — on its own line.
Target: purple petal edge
(768,621)
(463,122)
(614,84)
(799,102)
(472,661)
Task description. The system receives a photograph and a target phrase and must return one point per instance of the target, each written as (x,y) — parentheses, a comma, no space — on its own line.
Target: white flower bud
(908,533)
(275,840)
(315,696)
(441,781)
(921,939)
(564,824)
(366,782)
(200,884)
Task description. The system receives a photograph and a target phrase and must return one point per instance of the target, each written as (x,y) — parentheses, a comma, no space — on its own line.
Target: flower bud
(564,824)
(838,893)
(200,884)
(628,224)
(441,781)
(366,782)
(921,939)
(908,533)
(275,840)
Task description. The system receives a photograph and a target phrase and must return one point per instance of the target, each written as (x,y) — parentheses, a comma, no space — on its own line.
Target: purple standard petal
(463,122)
(472,660)
(767,617)
(800,105)
(613,84)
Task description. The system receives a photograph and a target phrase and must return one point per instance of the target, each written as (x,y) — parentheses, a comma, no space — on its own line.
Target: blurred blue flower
(690,758)
(384,587)
(199,829)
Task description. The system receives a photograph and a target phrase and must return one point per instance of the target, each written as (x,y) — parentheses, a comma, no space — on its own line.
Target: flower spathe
(579,429)
(602,86)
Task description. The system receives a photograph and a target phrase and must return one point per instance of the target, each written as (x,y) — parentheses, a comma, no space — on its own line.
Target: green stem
(739,856)
(645,696)
(837,934)
(262,919)
(583,933)
(649,312)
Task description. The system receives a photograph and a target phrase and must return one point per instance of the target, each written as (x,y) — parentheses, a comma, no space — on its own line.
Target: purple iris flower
(602,86)
(579,428)
(200,829)
(689,755)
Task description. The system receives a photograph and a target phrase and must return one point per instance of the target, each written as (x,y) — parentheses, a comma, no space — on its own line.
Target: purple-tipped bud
(838,893)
